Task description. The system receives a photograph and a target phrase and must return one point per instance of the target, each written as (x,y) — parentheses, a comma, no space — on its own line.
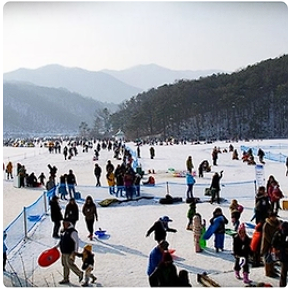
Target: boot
(237,275)
(93,278)
(246,278)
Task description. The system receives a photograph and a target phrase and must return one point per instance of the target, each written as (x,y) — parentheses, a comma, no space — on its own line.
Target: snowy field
(121,260)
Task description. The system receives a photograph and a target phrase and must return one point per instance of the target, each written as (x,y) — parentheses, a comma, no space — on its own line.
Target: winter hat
(242,228)
(166,219)
(88,247)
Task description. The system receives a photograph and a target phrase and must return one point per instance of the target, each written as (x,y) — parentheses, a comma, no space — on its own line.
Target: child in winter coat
(191,213)
(220,232)
(241,251)
(236,210)
(197,231)
(87,265)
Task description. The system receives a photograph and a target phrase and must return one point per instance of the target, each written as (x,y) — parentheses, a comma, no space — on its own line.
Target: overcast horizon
(119,35)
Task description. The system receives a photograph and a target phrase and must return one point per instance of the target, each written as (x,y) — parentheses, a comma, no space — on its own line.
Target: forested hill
(251,103)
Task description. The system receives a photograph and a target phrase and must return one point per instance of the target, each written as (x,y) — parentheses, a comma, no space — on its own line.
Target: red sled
(48,257)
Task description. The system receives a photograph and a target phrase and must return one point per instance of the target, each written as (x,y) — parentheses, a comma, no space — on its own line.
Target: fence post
(25,223)
(45,202)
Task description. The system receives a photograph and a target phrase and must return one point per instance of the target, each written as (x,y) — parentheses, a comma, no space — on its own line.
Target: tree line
(250,103)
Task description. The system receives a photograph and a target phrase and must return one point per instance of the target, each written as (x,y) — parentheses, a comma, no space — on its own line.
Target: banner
(260,179)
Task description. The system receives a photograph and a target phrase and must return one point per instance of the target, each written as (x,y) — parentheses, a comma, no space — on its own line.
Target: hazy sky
(118,35)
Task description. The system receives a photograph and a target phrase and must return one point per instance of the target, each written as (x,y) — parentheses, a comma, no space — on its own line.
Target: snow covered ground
(121,260)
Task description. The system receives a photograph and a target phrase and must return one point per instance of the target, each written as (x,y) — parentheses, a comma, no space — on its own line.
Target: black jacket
(241,247)
(71,212)
(55,211)
(160,230)
(164,276)
(67,244)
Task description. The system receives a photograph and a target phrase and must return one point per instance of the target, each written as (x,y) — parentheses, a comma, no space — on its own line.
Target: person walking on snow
(69,242)
(97,173)
(241,251)
(160,227)
(56,216)
(90,213)
(87,264)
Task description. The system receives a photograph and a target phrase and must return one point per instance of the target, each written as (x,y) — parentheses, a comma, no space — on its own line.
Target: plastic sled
(212,228)
(230,232)
(203,242)
(250,225)
(48,257)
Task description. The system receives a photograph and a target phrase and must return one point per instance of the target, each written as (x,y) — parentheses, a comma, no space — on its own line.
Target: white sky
(118,35)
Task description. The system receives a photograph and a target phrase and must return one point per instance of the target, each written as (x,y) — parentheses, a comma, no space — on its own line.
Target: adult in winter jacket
(241,249)
(109,167)
(69,242)
(97,173)
(165,275)
(280,248)
(56,215)
(270,226)
(160,227)
(262,205)
(215,187)
(90,213)
(9,169)
(71,183)
(71,212)
(215,155)
(119,174)
(220,232)
(128,181)
(152,152)
(190,184)
(189,164)
(156,256)
(274,194)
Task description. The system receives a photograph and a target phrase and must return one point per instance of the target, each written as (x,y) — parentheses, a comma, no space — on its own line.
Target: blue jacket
(154,259)
(190,179)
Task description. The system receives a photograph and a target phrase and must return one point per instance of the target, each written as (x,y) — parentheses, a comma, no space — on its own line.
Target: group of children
(241,241)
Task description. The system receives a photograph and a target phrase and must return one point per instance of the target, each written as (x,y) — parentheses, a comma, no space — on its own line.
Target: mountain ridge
(109,85)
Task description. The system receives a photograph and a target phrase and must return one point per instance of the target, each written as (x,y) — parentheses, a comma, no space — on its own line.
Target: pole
(25,223)
(45,202)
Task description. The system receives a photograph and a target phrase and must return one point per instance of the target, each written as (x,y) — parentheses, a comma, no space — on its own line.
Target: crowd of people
(124,181)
